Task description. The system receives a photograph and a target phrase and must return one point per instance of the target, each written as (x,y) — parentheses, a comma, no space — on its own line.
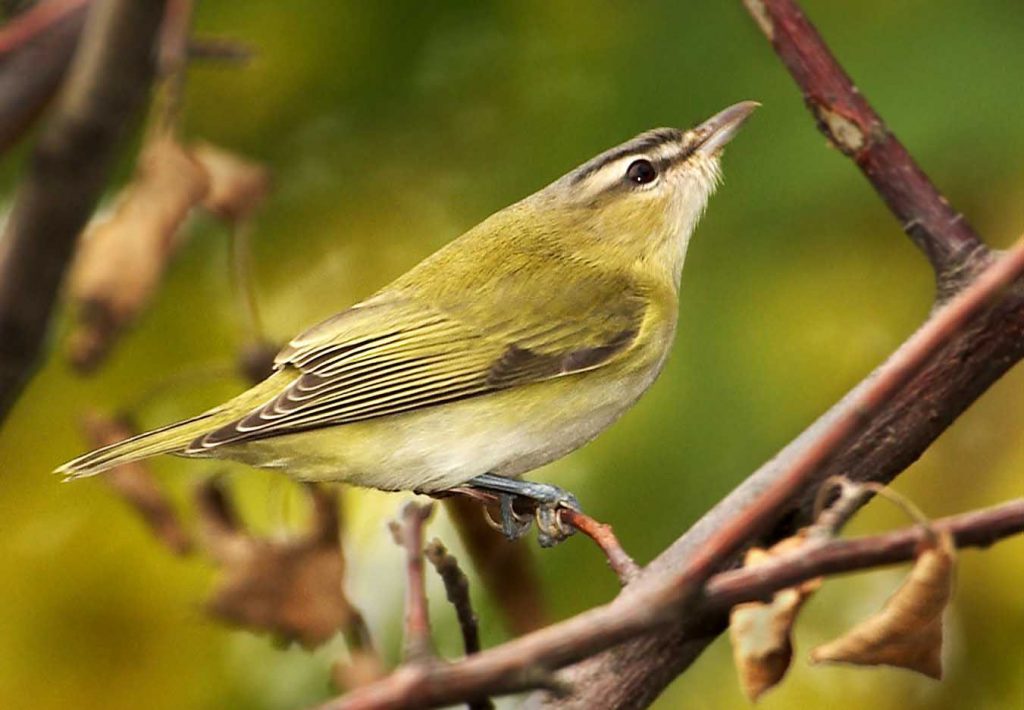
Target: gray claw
(513,525)
(550,528)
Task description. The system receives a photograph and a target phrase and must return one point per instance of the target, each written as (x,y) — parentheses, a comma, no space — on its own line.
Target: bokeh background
(391,127)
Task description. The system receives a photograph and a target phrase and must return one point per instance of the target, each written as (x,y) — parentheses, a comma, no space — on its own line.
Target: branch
(35,50)
(657,599)
(408,533)
(507,569)
(108,83)
(604,537)
(456,587)
(975,529)
(852,125)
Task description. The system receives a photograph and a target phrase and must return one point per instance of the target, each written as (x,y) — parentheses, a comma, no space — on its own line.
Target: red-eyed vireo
(512,346)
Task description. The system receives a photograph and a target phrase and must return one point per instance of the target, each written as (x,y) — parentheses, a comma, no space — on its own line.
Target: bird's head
(642,199)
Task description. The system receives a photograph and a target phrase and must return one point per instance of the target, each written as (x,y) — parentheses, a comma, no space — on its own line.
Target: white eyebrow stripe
(610,174)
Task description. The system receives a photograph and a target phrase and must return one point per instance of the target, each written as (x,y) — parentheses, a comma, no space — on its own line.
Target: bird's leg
(547,501)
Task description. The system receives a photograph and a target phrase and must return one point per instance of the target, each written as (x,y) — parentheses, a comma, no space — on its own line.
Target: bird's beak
(714,133)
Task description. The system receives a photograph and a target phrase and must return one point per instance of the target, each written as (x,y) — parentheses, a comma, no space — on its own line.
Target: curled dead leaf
(291,588)
(121,258)
(238,186)
(761,632)
(907,632)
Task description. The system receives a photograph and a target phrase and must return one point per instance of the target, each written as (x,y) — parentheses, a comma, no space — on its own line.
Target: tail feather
(175,438)
(167,439)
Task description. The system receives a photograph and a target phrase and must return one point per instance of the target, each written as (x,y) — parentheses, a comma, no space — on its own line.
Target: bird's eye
(641,172)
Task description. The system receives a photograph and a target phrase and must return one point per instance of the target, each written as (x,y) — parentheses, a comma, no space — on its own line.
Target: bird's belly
(507,433)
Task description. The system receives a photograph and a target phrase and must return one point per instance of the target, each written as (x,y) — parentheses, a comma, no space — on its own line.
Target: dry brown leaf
(238,186)
(135,483)
(907,633)
(762,647)
(121,259)
(292,587)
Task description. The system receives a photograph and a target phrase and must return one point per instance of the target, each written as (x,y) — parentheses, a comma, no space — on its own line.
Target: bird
(510,347)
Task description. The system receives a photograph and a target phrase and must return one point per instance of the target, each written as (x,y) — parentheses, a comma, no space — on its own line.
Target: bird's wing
(395,354)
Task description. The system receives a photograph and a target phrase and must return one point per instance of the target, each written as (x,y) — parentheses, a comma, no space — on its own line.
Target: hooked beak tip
(721,128)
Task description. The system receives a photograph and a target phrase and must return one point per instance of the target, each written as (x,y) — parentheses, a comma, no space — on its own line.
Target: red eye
(641,171)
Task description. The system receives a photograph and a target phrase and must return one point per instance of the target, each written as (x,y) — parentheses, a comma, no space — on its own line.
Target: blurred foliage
(393,126)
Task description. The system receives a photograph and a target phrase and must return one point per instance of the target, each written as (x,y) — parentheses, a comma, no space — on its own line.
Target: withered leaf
(121,258)
(761,632)
(238,186)
(907,632)
(291,588)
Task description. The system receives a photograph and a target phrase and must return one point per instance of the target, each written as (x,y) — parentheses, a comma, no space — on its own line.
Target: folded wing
(394,354)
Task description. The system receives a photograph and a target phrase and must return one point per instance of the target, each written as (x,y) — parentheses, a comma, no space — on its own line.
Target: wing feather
(350,370)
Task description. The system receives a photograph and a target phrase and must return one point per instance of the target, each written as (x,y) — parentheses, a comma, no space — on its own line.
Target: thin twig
(979,528)
(604,537)
(828,521)
(852,125)
(172,63)
(408,533)
(109,79)
(456,587)
(220,49)
(507,569)
(240,254)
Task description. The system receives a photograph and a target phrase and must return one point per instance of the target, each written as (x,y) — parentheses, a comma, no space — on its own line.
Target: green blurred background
(391,127)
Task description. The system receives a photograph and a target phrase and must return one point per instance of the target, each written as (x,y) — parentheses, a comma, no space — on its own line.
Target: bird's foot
(546,501)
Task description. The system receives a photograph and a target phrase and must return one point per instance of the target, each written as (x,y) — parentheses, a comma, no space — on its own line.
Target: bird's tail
(174,438)
(165,440)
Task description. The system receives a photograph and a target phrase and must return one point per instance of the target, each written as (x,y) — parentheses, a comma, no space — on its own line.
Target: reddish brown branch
(979,528)
(658,595)
(852,125)
(108,83)
(604,537)
(408,532)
